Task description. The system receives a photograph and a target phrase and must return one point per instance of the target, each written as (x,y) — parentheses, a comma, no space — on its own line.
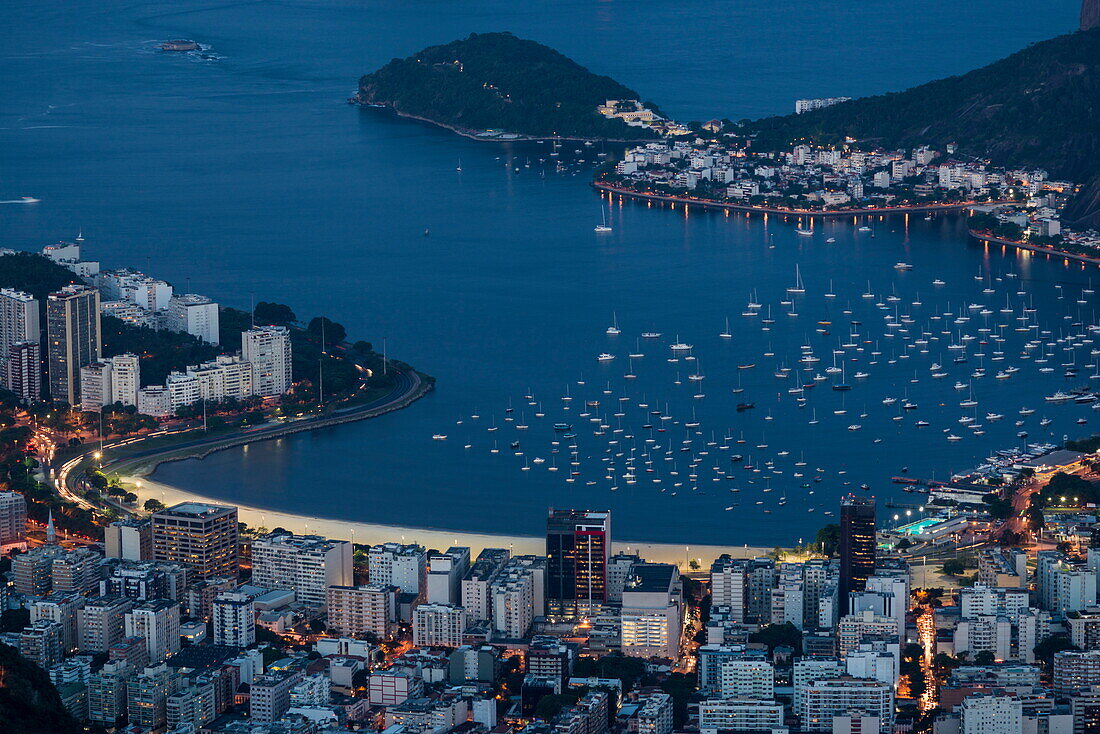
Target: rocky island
(493,85)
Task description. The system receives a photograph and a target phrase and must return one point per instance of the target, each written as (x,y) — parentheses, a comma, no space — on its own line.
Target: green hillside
(501,82)
(1038,107)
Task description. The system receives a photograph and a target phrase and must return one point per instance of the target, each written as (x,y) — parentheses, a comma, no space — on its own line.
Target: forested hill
(1038,107)
(498,81)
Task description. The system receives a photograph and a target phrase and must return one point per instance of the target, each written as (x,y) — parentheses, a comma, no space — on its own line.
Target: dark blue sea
(240,172)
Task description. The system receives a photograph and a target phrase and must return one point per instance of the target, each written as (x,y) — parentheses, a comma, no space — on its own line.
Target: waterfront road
(408,387)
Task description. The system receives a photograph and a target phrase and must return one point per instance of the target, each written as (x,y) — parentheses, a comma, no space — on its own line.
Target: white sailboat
(799,286)
(603,226)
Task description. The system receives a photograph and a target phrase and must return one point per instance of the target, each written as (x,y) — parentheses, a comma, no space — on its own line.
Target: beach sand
(370,533)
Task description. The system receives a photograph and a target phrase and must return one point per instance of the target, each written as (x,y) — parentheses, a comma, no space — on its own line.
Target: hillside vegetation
(1038,107)
(501,82)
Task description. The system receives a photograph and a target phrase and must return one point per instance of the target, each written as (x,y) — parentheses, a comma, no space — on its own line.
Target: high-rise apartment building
(20,335)
(107,693)
(157,622)
(985,713)
(308,564)
(197,535)
(234,620)
(267,349)
(403,566)
(13,522)
(102,623)
(445,573)
(438,625)
(354,610)
(130,539)
(72,338)
(824,699)
(193,314)
(23,370)
(578,546)
(857,545)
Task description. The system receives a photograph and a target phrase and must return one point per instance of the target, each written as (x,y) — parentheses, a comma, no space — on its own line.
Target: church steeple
(51,532)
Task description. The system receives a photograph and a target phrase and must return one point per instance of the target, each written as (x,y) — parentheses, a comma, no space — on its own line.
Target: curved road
(408,387)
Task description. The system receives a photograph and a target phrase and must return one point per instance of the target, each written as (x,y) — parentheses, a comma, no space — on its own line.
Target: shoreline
(1038,249)
(708,204)
(371,533)
(473,135)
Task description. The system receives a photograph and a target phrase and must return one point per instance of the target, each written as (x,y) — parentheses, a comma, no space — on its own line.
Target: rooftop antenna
(252,297)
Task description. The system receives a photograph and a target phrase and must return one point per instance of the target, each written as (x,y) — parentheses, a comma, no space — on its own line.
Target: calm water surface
(243,172)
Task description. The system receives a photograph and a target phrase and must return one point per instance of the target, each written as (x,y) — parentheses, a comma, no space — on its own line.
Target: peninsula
(495,85)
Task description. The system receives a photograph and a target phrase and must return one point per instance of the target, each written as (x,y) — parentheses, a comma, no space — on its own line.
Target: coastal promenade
(1050,251)
(830,214)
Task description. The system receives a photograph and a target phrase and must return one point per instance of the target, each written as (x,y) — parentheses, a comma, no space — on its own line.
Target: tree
(1046,649)
(363,347)
(153,505)
(954,567)
(334,333)
(985,657)
(828,538)
(275,314)
(129,498)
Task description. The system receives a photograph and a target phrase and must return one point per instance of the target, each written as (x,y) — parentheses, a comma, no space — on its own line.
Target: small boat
(614,329)
(439,437)
(804,232)
(605,357)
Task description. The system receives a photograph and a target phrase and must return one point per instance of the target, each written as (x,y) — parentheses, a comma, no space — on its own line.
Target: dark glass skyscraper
(578,545)
(857,545)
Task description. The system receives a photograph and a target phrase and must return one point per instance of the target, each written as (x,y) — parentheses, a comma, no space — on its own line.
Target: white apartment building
(95,385)
(193,314)
(267,349)
(403,566)
(513,602)
(987,714)
(823,699)
(747,679)
(158,622)
(355,610)
(808,670)
(438,625)
(182,390)
(982,600)
(125,378)
(735,715)
(155,400)
(234,616)
(445,572)
(226,377)
(308,564)
(852,627)
(651,618)
(108,381)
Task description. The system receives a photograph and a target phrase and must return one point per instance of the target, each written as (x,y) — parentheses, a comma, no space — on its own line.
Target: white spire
(51,533)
